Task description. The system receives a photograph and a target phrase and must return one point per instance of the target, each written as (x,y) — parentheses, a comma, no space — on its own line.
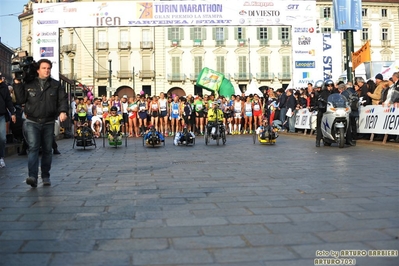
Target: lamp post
(110,77)
(249,60)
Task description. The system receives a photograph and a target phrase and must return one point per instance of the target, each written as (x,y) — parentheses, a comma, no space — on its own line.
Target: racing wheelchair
(185,137)
(215,131)
(84,136)
(153,138)
(266,134)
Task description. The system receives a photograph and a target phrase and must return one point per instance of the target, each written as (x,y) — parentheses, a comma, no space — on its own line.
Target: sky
(10,27)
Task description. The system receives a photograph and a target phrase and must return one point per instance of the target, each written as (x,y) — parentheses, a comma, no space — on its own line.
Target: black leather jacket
(42,104)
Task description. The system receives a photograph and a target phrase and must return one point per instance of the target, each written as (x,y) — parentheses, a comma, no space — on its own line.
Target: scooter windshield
(337,100)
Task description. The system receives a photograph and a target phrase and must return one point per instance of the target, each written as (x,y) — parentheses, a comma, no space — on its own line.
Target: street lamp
(110,77)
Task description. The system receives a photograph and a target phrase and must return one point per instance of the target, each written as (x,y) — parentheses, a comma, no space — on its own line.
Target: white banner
(49,17)
(305,119)
(379,120)
(329,60)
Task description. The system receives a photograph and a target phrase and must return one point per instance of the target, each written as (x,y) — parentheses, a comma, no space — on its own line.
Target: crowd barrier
(373,119)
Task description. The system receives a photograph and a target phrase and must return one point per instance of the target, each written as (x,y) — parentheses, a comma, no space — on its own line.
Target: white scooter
(335,121)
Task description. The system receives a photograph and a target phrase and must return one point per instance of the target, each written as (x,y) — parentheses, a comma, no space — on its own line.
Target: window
(384,34)
(124,63)
(263,34)
(242,66)
(197,64)
(174,34)
(264,64)
(325,30)
(145,34)
(365,34)
(240,33)
(124,36)
(364,12)
(176,66)
(197,34)
(384,12)
(102,63)
(285,33)
(219,34)
(327,12)
(102,36)
(286,66)
(220,64)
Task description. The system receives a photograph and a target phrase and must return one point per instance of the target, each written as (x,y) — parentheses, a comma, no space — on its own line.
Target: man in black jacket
(321,103)
(6,106)
(45,99)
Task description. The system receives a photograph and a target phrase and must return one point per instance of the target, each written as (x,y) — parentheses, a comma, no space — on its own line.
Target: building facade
(5,62)
(127,60)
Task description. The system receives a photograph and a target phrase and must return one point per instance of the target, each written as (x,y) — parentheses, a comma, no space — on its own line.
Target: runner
(248,116)
(199,107)
(163,115)
(238,109)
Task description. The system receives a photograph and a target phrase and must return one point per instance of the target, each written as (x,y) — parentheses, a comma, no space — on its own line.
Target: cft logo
(294,7)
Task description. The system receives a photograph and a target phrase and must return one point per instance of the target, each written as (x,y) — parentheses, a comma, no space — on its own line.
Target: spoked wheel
(206,137)
(254,136)
(224,137)
(84,141)
(143,140)
(217,134)
(187,137)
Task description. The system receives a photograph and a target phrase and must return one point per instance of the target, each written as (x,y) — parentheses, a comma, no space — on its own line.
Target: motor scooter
(335,121)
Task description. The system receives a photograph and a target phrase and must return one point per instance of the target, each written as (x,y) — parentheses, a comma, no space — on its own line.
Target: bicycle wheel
(254,136)
(217,133)
(223,136)
(206,137)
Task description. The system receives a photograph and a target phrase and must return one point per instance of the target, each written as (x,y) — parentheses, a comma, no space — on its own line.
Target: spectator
(363,91)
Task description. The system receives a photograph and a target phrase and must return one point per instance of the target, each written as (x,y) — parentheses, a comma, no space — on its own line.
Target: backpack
(354,101)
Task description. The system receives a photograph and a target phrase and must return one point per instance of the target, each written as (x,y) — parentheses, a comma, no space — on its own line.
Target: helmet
(113,108)
(329,82)
(215,103)
(319,84)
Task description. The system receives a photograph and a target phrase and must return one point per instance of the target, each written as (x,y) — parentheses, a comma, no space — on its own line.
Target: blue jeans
(291,122)
(39,135)
(2,136)
(283,116)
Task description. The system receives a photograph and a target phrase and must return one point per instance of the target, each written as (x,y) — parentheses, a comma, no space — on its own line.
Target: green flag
(210,80)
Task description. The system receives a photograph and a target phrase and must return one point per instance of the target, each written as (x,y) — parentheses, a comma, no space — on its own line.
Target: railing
(124,45)
(67,48)
(101,74)
(193,76)
(220,43)
(146,45)
(146,74)
(124,74)
(263,42)
(284,75)
(386,43)
(176,77)
(264,75)
(102,45)
(242,76)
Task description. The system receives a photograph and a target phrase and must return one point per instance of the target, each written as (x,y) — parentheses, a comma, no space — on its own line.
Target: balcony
(242,76)
(124,45)
(193,77)
(385,43)
(264,76)
(68,48)
(176,77)
(263,42)
(101,74)
(227,75)
(124,74)
(146,45)
(146,74)
(197,43)
(220,43)
(101,45)
(285,42)
(175,43)
(284,76)
(363,42)
(241,43)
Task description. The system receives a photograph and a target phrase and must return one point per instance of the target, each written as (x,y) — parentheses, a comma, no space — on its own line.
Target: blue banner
(347,14)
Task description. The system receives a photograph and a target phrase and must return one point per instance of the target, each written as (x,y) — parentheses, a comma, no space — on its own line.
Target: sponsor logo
(262,4)
(305,75)
(263,13)
(45,22)
(69,9)
(293,7)
(46,51)
(46,33)
(389,110)
(305,64)
(303,40)
(370,111)
(103,18)
(303,29)
(39,41)
(311,52)
(242,12)
(45,10)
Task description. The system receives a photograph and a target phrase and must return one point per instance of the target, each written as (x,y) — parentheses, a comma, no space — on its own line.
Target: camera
(23,66)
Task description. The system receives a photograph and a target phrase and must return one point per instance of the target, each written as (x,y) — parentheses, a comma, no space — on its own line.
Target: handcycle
(153,138)
(266,134)
(114,136)
(84,136)
(215,131)
(185,137)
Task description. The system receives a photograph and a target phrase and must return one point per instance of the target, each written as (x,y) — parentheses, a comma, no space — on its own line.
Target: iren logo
(108,21)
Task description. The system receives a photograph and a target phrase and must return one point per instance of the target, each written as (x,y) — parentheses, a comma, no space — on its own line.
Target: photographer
(45,99)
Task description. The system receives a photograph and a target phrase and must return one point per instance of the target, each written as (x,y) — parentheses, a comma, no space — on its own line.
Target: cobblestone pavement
(238,204)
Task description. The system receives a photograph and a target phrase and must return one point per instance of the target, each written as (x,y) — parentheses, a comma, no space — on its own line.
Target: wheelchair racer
(113,123)
(215,115)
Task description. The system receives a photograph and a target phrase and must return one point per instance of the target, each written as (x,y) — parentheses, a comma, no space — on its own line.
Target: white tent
(237,90)
(253,88)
